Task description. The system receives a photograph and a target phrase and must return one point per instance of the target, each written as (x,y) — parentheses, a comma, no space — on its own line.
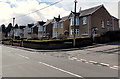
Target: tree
(3,28)
(16,25)
(8,29)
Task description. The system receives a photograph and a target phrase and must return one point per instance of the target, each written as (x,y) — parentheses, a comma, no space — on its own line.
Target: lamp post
(74,42)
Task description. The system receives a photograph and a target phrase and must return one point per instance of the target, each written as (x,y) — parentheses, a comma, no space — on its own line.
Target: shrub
(62,37)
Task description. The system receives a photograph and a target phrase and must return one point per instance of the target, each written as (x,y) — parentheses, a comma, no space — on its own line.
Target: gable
(102,11)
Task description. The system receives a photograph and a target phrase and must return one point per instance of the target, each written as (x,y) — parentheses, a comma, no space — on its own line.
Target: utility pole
(13,30)
(13,21)
(74,42)
(13,25)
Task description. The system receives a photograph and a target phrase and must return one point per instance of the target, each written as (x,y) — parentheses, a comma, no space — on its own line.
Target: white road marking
(114,68)
(94,62)
(83,60)
(61,70)
(23,56)
(104,64)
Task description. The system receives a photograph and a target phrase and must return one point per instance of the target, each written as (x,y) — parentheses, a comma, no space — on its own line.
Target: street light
(74,42)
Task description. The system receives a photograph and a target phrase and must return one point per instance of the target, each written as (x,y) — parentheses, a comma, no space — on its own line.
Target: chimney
(59,16)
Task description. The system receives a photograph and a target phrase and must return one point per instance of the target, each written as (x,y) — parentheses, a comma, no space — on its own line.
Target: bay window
(77,21)
(77,31)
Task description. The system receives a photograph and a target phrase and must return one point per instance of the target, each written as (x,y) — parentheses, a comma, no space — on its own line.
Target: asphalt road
(22,63)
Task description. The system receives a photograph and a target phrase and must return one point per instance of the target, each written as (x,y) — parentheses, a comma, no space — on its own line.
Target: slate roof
(64,18)
(90,10)
(48,22)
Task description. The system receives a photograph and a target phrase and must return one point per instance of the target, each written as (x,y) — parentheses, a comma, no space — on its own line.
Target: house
(21,31)
(49,28)
(39,29)
(64,26)
(56,30)
(16,32)
(96,20)
(28,31)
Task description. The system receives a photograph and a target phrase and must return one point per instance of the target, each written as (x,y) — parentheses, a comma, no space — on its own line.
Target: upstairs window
(40,28)
(61,25)
(84,19)
(77,21)
(55,25)
(103,24)
(29,30)
(108,22)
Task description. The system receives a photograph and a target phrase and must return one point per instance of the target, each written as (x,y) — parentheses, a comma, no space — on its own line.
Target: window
(72,21)
(40,28)
(55,25)
(29,29)
(61,25)
(108,22)
(72,31)
(77,31)
(77,21)
(84,20)
(85,34)
(40,35)
(103,24)
(55,34)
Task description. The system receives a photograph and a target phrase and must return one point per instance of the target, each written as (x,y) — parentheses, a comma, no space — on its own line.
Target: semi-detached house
(96,20)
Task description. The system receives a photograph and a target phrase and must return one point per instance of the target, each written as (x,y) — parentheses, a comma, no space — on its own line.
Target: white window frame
(55,25)
(55,34)
(108,22)
(84,20)
(103,24)
(77,31)
(40,28)
(61,25)
(77,21)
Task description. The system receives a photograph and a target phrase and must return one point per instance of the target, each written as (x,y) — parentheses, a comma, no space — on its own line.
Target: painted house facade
(28,31)
(39,29)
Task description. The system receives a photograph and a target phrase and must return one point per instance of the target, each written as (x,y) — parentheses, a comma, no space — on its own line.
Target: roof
(114,18)
(57,19)
(64,18)
(48,22)
(90,10)
(30,25)
(41,22)
(21,27)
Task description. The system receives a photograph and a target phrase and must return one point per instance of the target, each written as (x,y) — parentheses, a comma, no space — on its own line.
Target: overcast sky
(19,8)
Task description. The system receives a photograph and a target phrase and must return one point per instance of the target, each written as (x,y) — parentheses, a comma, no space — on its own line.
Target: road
(22,63)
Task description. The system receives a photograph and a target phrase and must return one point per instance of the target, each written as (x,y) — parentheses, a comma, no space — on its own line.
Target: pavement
(17,62)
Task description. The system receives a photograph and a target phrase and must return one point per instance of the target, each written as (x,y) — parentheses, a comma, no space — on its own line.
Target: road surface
(22,63)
